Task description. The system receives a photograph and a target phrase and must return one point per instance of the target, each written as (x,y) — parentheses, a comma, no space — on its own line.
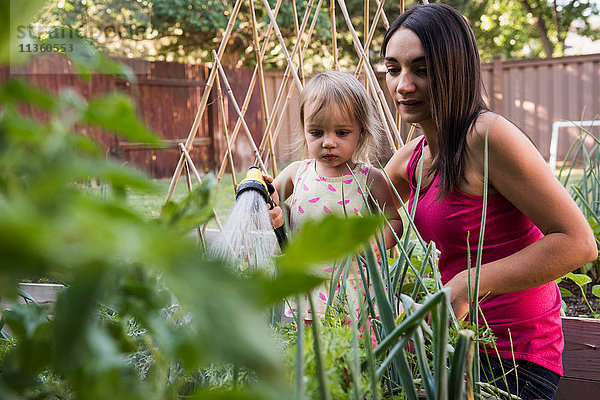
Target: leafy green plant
(147,314)
(586,189)
(586,192)
(144,311)
(582,280)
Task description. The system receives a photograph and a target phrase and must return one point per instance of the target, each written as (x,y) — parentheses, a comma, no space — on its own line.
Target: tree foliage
(527,28)
(188,30)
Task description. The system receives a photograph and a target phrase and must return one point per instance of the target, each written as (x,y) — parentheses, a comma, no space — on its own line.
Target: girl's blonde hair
(343,90)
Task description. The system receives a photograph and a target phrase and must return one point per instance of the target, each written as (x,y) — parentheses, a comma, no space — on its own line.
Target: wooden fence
(531,93)
(167,96)
(536,93)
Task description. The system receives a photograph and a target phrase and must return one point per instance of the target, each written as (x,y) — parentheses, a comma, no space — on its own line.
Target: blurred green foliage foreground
(147,314)
(136,288)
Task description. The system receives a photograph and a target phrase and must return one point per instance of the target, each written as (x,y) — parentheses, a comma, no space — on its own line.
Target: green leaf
(14,15)
(596,290)
(580,279)
(17,90)
(330,238)
(32,329)
(84,56)
(285,284)
(565,292)
(116,113)
(24,319)
(195,209)
(461,362)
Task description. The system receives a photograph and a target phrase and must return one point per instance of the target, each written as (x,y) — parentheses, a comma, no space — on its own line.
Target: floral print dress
(313,197)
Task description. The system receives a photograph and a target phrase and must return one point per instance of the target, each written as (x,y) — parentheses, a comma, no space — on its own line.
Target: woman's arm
(382,195)
(520,174)
(396,169)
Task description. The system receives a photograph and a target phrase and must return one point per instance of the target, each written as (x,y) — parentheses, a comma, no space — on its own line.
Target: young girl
(341,132)
(534,232)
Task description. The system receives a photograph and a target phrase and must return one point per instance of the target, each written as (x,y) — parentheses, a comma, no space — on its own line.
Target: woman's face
(406,76)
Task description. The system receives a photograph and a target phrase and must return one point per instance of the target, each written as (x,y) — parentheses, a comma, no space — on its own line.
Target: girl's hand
(276,215)
(275,196)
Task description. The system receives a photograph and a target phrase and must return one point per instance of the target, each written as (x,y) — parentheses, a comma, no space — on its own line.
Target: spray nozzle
(254,181)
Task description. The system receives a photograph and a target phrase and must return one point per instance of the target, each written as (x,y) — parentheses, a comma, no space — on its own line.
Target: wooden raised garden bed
(581,360)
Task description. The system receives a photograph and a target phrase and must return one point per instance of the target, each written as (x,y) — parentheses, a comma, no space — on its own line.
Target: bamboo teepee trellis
(293,79)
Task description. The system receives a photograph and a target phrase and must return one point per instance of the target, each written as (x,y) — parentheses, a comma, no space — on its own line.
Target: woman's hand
(459,298)
(375,248)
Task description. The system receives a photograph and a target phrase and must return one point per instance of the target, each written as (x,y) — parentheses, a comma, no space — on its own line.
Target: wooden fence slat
(168,94)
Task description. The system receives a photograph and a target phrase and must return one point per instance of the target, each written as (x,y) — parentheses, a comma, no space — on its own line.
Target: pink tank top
(529,318)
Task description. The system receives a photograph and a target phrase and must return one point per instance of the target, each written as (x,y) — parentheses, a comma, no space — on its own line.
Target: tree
(527,28)
(182,30)
(188,30)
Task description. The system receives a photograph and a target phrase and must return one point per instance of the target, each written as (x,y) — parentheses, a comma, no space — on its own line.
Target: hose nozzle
(254,181)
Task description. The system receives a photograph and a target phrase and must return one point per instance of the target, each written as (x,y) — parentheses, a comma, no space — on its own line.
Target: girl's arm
(520,174)
(382,195)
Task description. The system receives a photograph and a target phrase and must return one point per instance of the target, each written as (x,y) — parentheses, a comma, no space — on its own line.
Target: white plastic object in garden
(555,129)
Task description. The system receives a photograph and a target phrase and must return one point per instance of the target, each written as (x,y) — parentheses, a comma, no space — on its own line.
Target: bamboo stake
(249,92)
(290,90)
(298,38)
(385,124)
(336,65)
(189,161)
(369,72)
(289,66)
(378,13)
(386,23)
(261,80)
(237,109)
(282,43)
(366,34)
(188,179)
(225,130)
(411,132)
(204,100)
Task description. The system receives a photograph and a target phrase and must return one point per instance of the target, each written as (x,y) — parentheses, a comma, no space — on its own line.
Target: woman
(534,232)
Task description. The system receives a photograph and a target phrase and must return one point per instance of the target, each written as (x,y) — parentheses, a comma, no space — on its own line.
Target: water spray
(247,237)
(254,182)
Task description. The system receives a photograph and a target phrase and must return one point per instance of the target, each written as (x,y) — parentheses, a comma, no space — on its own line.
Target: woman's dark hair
(455,85)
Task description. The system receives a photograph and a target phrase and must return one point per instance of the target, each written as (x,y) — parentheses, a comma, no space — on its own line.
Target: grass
(150,204)
(575,175)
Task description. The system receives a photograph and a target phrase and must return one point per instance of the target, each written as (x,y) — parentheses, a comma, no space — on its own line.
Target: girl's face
(406,76)
(332,137)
